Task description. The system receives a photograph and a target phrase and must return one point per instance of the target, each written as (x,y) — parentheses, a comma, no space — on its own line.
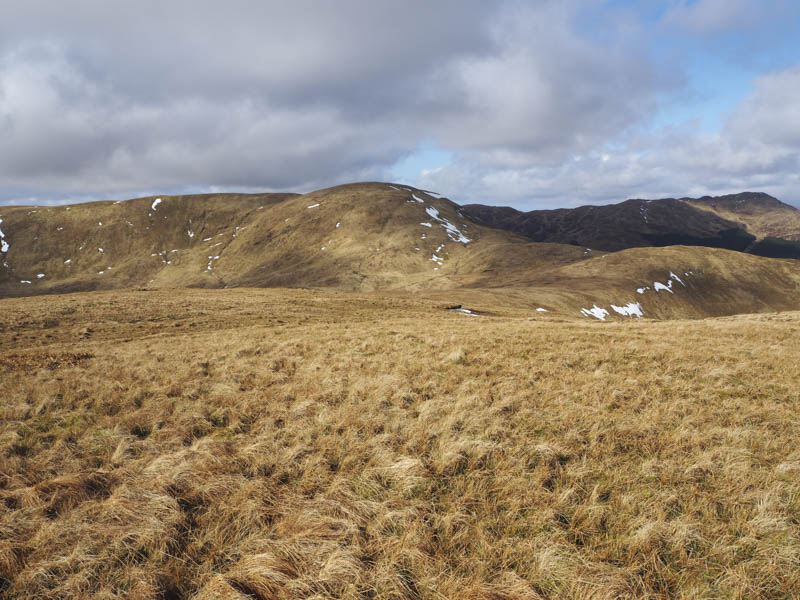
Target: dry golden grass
(761,221)
(294,444)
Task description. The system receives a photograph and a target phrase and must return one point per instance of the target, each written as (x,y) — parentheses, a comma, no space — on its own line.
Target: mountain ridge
(751,222)
(388,239)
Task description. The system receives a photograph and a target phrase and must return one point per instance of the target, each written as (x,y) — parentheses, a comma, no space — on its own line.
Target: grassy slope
(136,242)
(262,240)
(762,215)
(295,444)
(276,240)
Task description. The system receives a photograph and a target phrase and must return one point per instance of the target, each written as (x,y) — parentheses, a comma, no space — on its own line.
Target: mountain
(763,215)
(364,236)
(774,223)
(392,239)
(751,222)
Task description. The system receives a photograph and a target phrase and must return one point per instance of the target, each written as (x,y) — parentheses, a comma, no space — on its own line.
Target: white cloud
(103,99)
(757,149)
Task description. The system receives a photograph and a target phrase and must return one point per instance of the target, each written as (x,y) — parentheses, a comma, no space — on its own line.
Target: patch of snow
(434,194)
(596,312)
(100,250)
(542,310)
(100,272)
(452,231)
(658,286)
(312,206)
(208,239)
(99,223)
(156,202)
(323,248)
(69,260)
(190,234)
(632,309)
(337,225)
(416,248)
(417,198)
(24,281)
(211,259)
(426,224)
(642,290)
(466,311)
(40,276)
(59,228)
(676,278)
(3,243)
(395,188)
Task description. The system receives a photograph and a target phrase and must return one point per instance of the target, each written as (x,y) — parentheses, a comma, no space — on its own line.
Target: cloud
(102,99)
(757,149)
(714,16)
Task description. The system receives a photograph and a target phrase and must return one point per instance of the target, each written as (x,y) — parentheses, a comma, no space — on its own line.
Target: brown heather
(274,444)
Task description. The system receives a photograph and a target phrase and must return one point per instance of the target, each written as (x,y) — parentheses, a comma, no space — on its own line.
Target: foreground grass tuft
(310,445)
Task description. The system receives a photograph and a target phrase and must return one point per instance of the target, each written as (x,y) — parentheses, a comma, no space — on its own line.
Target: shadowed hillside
(747,222)
(630,224)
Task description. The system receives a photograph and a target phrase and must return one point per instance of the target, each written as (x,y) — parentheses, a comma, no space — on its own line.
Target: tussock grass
(316,445)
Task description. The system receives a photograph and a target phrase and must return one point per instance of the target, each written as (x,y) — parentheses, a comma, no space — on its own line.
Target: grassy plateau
(276,444)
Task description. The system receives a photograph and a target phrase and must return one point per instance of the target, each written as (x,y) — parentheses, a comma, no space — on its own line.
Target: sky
(531,104)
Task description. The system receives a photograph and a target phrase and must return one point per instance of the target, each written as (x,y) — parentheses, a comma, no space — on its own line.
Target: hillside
(775,224)
(629,224)
(257,444)
(762,214)
(354,237)
(747,222)
(383,238)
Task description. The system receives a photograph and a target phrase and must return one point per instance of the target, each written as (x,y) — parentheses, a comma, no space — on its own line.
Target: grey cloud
(757,149)
(99,97)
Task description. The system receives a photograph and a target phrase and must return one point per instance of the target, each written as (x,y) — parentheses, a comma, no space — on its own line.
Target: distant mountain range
(748,222)
(394,239)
